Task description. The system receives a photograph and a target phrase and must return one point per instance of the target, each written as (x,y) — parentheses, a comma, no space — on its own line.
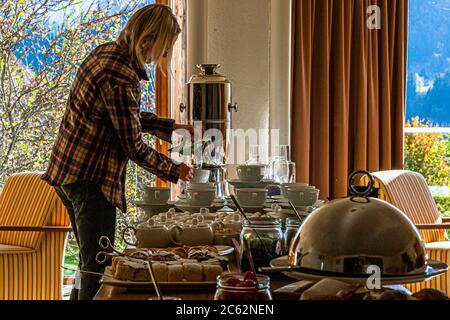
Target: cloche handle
(370,187)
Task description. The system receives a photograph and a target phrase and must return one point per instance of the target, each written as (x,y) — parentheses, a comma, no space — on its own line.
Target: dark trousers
(91,216)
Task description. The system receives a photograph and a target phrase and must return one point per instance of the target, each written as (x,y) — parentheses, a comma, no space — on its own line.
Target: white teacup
(251,197)
(254,172)
(303,196)
(156,195)
(200,176)
(285,186)
(200,197)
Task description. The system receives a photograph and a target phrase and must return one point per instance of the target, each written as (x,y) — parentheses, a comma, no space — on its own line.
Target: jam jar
(292,226)
(265,240)
(235,287)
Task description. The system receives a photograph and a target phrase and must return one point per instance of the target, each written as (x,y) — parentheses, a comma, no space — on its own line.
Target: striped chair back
(409,192)
(25,200)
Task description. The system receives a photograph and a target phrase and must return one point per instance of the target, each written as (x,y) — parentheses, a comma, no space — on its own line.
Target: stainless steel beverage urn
(210,101)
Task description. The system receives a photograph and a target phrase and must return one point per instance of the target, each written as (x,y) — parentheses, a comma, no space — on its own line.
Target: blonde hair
(156,24)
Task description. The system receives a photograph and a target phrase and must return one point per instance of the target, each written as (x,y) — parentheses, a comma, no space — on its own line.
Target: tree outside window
(43,42)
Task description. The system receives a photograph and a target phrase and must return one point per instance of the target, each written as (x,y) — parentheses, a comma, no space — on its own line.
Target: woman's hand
(187,127)
(186,172)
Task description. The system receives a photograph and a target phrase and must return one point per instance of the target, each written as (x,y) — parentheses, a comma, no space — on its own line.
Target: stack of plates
(238,183)
(216,205)
(282,201)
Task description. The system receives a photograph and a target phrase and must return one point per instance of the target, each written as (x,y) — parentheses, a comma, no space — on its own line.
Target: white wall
(250,39)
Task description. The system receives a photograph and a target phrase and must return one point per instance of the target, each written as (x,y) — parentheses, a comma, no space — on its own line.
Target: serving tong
(102,256)
(108,250)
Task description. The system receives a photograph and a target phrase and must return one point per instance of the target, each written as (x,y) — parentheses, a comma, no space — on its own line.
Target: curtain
(348,90)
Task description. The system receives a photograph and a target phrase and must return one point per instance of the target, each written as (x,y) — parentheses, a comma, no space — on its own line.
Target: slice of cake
(175,273)
(193,272)
(131,269)
(211,271)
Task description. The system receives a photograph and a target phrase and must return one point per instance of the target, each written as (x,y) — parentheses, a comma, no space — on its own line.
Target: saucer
(250,209)
(194,209)
(226,209)
(238,183)
(279,198)
(152,209)
(285,204)
(289,212)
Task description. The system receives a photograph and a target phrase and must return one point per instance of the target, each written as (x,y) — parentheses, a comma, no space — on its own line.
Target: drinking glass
(256,155)
(280,169)
(285,152)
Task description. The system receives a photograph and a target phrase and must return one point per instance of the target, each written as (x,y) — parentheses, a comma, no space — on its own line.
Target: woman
(102,129)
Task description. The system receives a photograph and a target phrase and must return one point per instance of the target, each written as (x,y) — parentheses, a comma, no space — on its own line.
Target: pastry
(131,269)
(292,291)
(211,272)
(164,255)
(211,248)
(352,293)
(180,251)
(193,272)
(431,294)
(323,297)
(160,271)
(175,273)
(199,254)
(392,295)
(325,287)
(140,255)
(115,260)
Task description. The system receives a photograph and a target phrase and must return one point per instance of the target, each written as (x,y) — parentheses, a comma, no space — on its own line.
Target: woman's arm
(161,127)
(157,126)
(123,110)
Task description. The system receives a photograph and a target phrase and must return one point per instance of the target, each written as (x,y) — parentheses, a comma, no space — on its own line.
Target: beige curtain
(348,90)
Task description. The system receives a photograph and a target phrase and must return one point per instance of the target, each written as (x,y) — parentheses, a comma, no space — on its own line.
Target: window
(427,129)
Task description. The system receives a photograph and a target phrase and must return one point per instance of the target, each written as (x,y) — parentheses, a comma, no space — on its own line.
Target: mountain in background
(428,86)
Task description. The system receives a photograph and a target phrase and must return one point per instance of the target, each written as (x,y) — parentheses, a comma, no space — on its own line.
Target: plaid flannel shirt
(102,127)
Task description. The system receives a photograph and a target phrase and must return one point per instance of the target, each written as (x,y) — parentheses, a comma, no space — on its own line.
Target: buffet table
(108,292)
(111,292)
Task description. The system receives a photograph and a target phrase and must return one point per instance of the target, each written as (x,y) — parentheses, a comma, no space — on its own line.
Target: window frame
(170,87)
